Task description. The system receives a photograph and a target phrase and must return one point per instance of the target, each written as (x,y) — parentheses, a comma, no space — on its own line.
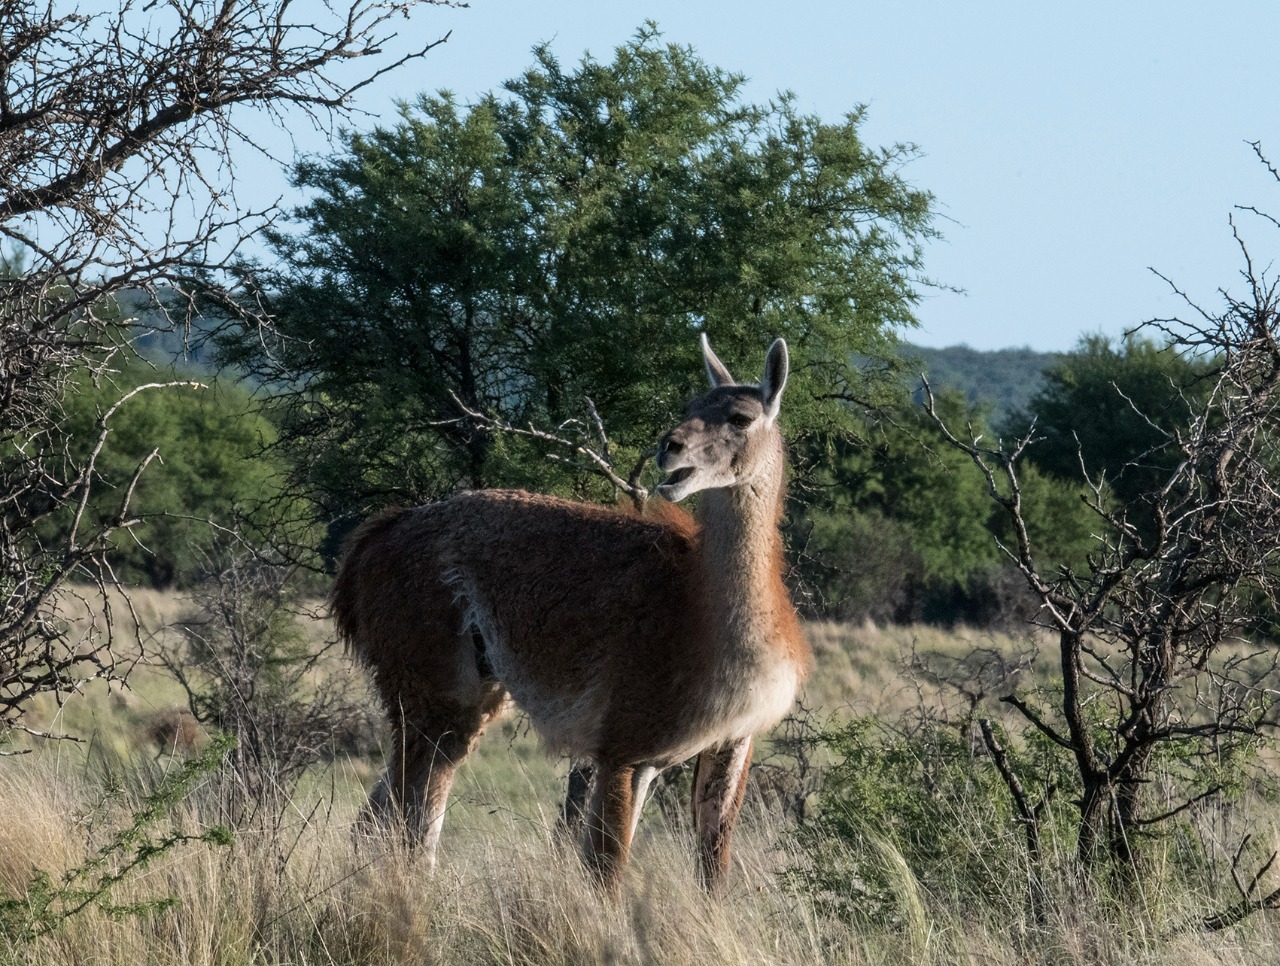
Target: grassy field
(303,884)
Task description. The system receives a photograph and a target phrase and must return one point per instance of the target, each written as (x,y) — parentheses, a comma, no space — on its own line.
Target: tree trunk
(1095,804)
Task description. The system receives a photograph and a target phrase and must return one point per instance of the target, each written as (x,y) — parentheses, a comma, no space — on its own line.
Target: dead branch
(120,138)
(599,460)
(1250,901)
(1178,573)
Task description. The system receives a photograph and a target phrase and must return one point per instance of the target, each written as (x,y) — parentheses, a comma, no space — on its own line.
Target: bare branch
(120,138)
(1181,571)
(598,462)
(1034,717)
(1250,902)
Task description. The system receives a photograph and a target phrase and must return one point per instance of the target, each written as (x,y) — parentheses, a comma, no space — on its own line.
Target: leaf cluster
(1106,408)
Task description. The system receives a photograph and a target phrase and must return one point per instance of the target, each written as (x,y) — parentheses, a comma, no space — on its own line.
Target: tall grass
(508,889)
(307,886)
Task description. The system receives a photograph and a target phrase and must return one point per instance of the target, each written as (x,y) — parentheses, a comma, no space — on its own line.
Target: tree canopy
(564,239)
(1112,405)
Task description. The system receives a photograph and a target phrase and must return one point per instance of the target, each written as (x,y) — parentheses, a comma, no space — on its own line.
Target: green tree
(211,468)
(925,486)
(897,526)
(1111,406)
(566,239)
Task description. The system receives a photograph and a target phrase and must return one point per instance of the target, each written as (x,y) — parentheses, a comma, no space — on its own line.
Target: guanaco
(633,642)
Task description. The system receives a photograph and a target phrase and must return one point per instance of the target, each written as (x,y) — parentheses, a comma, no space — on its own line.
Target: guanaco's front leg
(609,823)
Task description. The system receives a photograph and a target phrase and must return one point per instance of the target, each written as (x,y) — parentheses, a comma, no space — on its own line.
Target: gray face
(720,442)
(729,434)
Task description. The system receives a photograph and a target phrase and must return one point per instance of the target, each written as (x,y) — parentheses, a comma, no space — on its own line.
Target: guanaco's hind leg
(719,783)
(430,743)
(574,810)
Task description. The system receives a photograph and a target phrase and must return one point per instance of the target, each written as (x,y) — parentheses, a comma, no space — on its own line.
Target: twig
(600,462)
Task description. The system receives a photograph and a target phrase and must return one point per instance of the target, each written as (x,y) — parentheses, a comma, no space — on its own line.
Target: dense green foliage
(898,526)
(565,239)
(1110,405)
(210,467)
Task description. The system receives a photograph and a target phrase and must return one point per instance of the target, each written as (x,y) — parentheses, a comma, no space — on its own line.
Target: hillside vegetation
(1000,380)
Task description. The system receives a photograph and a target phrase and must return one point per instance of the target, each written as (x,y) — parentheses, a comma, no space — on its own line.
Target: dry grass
(310,889)
(866,669)
(508,891)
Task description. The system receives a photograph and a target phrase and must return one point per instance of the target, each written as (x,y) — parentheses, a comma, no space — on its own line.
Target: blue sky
(1071,147)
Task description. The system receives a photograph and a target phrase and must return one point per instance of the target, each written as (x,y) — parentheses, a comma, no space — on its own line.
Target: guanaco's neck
(742,553)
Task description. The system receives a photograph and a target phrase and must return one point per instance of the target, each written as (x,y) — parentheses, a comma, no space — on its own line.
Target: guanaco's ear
(716,371)
(776,367)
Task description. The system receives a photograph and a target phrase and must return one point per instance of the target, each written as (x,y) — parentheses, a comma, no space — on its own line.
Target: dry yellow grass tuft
(510,891)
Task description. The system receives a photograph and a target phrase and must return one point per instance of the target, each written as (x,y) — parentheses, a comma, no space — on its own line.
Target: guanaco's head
(729,437)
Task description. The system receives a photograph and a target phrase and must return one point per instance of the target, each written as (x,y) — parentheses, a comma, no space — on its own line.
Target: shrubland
(908,851)
(1041,723)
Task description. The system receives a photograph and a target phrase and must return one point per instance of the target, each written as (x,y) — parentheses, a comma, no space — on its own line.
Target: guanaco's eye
(741,420)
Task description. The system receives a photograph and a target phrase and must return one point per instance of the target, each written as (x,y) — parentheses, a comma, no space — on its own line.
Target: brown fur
(633,642)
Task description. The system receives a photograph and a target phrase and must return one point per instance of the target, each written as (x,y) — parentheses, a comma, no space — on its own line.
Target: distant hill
(1004,379)
(165,340)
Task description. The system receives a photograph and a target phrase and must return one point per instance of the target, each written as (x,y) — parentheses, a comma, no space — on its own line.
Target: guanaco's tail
(349,595)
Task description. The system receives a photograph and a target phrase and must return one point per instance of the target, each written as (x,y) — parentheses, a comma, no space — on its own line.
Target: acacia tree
(1154,636)
(564,240)
(119,137)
